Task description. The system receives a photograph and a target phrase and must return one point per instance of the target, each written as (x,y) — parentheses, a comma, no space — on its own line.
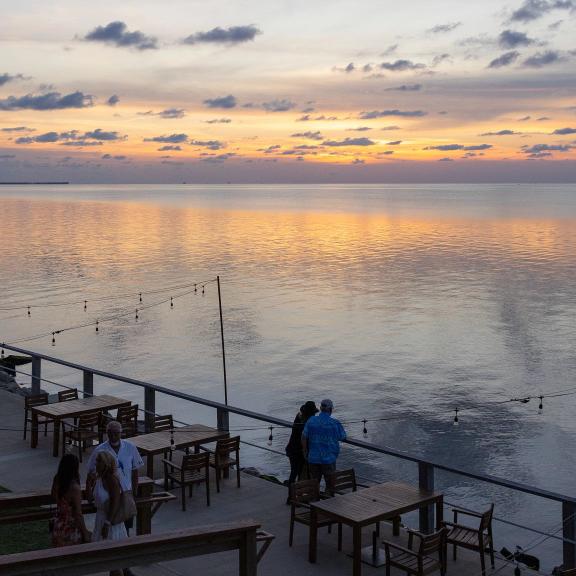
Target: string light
(172,443)
(271,437)
(456,421)
(53,339)
(85,305)
(202,289)
(140,296)
(517,571)
(171,302)
(136,317)
(541,405)
(2,355)
(365,430)
(29,311)
(97,325)
(195,289)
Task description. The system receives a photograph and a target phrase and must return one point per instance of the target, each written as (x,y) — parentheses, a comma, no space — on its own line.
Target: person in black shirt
(294,446)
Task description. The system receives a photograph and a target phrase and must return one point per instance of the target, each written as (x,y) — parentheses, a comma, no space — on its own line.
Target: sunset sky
(288,91)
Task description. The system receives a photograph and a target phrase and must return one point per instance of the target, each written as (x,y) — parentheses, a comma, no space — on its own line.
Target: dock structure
(257,500)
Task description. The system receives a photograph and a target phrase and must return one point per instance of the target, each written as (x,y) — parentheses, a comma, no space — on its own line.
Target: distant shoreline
(30,183)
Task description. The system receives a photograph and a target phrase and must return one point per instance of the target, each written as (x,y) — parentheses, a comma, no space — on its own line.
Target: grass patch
(24,537)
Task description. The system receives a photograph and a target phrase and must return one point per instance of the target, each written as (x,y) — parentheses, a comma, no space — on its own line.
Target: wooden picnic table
(60,411)
(369,506)
(150,445)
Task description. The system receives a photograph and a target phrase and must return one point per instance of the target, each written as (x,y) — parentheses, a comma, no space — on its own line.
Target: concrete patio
(23,469)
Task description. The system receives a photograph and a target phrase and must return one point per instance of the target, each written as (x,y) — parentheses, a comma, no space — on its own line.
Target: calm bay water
(400,303)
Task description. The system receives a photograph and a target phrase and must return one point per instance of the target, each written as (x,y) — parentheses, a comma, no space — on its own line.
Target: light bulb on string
(456,421)
(53,339)
(271,437)
(85,305)
(140,296)
(29,311)
(541,405)
(2,355)
(202,289)
(195,289)
(365,430)
(97,326)
(517,571)
(172,443)
(136,314)
(171,302)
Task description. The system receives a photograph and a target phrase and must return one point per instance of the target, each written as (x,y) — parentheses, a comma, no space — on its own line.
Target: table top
(378,502)
(73,408)
(157,442)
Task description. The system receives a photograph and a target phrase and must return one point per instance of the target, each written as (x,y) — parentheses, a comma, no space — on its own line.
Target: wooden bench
(31,506)
(114,555)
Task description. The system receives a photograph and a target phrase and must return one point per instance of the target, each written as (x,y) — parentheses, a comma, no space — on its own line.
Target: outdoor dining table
(367,507)
(193,435)
(60,411)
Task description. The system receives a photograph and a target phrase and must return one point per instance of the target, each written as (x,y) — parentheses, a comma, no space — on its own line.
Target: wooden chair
(31,402)
(67,395)
(478,539)
(301,494)
(194,469)
(222,460)
(128,418)
(429,557)
(89,428)
(160,423)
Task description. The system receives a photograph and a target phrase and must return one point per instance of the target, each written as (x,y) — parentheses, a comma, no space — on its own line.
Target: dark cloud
(17,129)
(564,131)
(500,133)
(542,59)
(169,139)
(310,135)
(386,113)
(308,118)
(446,159)
(170,147)
(306,147)
(405,88)
(524,119)
(112,157)
(444,28)
(390,50)
(48,101)
(218,121)
(401,66)
(512,39)
(7,156)
(210,144)
(394,143)
(168,114)
(535,9)
(359,129)
(505,59)
(278,105)
(451,147)
(116,33)
(350,142)
(222,102)
(438,59)
(388,128)
(73,138)
(541,150)
(113,100)
(220,157)
(232,35)
(5,78)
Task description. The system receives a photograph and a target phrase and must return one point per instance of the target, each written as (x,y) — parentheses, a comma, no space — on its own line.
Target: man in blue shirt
(321,439)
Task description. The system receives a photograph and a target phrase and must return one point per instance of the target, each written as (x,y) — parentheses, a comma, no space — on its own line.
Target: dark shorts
(317,471)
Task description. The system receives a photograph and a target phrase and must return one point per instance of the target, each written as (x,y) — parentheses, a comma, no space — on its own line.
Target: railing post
(88,383)
(36,374)
(569,533)
(426,482)
(248,554)
(223,419)
(149,407)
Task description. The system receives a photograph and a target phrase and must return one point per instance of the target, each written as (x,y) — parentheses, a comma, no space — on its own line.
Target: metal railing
(426,468)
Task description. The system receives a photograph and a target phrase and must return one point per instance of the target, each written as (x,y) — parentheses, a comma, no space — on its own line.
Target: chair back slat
(431,543)
(66,395)
(194,462)
(127,413)
(89,421)
(486,520)
(305,491)
(227,445)
(343,480)
(36,400)
(161,423)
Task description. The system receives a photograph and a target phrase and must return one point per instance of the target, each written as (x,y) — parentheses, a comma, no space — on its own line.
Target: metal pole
(222,338)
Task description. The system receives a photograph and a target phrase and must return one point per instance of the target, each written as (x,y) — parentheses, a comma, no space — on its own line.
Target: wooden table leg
(439,512)
(144,515)
(357,545)
(56,439)
(313,535)
(34,431)
(150,466)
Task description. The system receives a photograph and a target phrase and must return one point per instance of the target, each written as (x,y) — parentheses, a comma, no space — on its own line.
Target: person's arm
(135,482)
(305,441)
(137,463)
(91,477)
(112,485)
(342,432)
(75,500)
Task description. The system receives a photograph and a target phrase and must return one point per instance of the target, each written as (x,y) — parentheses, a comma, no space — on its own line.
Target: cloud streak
(48,101)
(117,34)
(388,113)
(230,36)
